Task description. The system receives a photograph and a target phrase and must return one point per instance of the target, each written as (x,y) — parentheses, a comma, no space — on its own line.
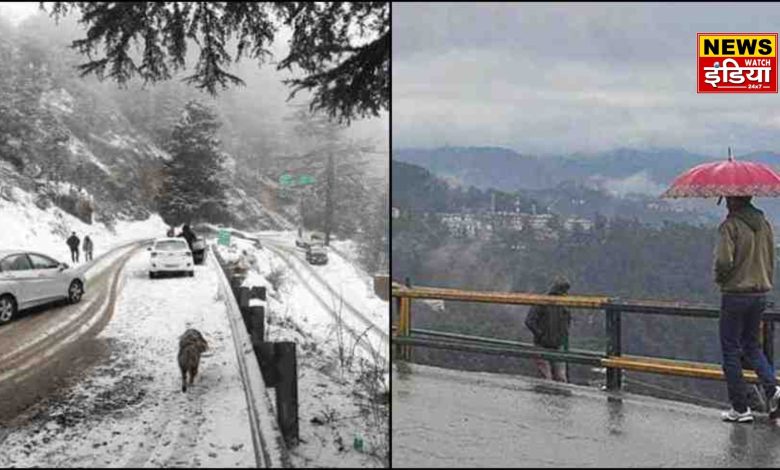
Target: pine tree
(192,190)
(339,166)
(342,48)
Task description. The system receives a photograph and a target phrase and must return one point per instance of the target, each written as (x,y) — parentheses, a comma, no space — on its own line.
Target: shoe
(733,415)
(774,401)
(757,400)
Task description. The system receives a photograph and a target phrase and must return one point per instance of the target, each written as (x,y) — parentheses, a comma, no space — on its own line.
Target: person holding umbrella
(744,271)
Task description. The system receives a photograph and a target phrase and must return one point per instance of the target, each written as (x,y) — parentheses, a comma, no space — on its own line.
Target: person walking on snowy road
(87,248)
(73,243)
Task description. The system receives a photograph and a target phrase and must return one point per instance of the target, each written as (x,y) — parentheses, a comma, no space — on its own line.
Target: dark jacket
(188,235)
(550,323)
(73,242)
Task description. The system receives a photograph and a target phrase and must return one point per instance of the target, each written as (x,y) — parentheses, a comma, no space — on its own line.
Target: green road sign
(286,180)
(306,179)
(223,237)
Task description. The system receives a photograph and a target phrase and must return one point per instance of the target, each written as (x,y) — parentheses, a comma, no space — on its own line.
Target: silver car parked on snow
(30,279)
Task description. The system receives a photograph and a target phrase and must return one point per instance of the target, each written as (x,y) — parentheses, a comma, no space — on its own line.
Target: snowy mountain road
(123,406)
(362,325)
(47,345)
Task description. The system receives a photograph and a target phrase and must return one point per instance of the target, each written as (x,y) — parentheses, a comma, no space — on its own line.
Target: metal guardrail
(404,336)
(267,439)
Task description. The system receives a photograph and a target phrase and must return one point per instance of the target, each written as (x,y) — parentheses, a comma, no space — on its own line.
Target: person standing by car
(73,242)
(87,246)
(171,231)
(188,235)
(744,270)
(550,326)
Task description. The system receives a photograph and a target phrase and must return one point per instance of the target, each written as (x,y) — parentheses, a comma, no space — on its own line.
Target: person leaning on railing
(550,327)
(744,270)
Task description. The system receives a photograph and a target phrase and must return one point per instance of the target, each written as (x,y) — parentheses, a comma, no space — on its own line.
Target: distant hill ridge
(508,170)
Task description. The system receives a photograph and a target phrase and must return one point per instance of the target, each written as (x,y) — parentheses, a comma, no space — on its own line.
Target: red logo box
(736,63)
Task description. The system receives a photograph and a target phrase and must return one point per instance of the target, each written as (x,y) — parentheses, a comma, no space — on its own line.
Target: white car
(29,279)
(170,255)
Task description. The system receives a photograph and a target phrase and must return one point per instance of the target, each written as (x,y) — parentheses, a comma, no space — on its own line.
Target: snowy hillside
(343,382)
(56,126)
(24,225)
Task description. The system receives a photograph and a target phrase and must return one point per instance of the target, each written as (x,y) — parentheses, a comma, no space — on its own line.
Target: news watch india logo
(736,63)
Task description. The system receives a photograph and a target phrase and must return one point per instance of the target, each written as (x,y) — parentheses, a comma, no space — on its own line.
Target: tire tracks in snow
(384,337)
(31,370)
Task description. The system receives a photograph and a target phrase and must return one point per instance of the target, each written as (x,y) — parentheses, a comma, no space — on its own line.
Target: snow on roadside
(338,401)
(26,226)
(130,410)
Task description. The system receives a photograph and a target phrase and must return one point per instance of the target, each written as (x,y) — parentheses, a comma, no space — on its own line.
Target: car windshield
(170,245)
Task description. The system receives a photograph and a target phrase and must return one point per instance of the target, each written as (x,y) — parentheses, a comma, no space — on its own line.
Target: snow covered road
(49,344)
(342,389)
(338,286)
(129,410)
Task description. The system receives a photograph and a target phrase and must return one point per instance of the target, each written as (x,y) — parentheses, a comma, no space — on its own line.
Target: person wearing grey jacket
(744,271)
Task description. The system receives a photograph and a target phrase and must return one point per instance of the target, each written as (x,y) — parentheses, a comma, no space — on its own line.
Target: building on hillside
(572,222)
(484,225)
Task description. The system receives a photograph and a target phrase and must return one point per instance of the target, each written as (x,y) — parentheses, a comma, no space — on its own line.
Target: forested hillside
(620,257)
(112,145)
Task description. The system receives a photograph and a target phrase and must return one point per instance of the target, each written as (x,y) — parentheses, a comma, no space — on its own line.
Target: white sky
(17,11)
(565,77)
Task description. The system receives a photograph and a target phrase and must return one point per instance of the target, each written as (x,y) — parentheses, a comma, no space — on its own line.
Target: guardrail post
(399,328)
(405,326)
(614,375)
(267,361)
(258,292)
(287,391)
(243,298)
(235,283)
(406,314)
(768,339)
(257,323)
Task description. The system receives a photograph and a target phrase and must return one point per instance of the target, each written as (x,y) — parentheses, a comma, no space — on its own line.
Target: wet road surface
(46,347)
(447,418)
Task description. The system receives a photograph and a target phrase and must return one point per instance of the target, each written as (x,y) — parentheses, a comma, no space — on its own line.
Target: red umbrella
(726,178)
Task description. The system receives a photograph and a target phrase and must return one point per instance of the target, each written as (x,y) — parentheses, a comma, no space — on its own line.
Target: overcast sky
(564,77)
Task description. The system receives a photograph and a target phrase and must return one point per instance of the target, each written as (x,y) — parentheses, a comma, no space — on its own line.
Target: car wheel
(7,309)
(75,291)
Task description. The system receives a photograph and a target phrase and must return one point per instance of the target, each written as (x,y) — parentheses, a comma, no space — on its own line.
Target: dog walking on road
(191,346)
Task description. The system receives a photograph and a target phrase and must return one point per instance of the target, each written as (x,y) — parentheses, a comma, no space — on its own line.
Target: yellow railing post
(400,329)
(405,326)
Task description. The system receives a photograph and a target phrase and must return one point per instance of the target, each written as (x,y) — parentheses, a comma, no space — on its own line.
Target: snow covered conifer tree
(192,190)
